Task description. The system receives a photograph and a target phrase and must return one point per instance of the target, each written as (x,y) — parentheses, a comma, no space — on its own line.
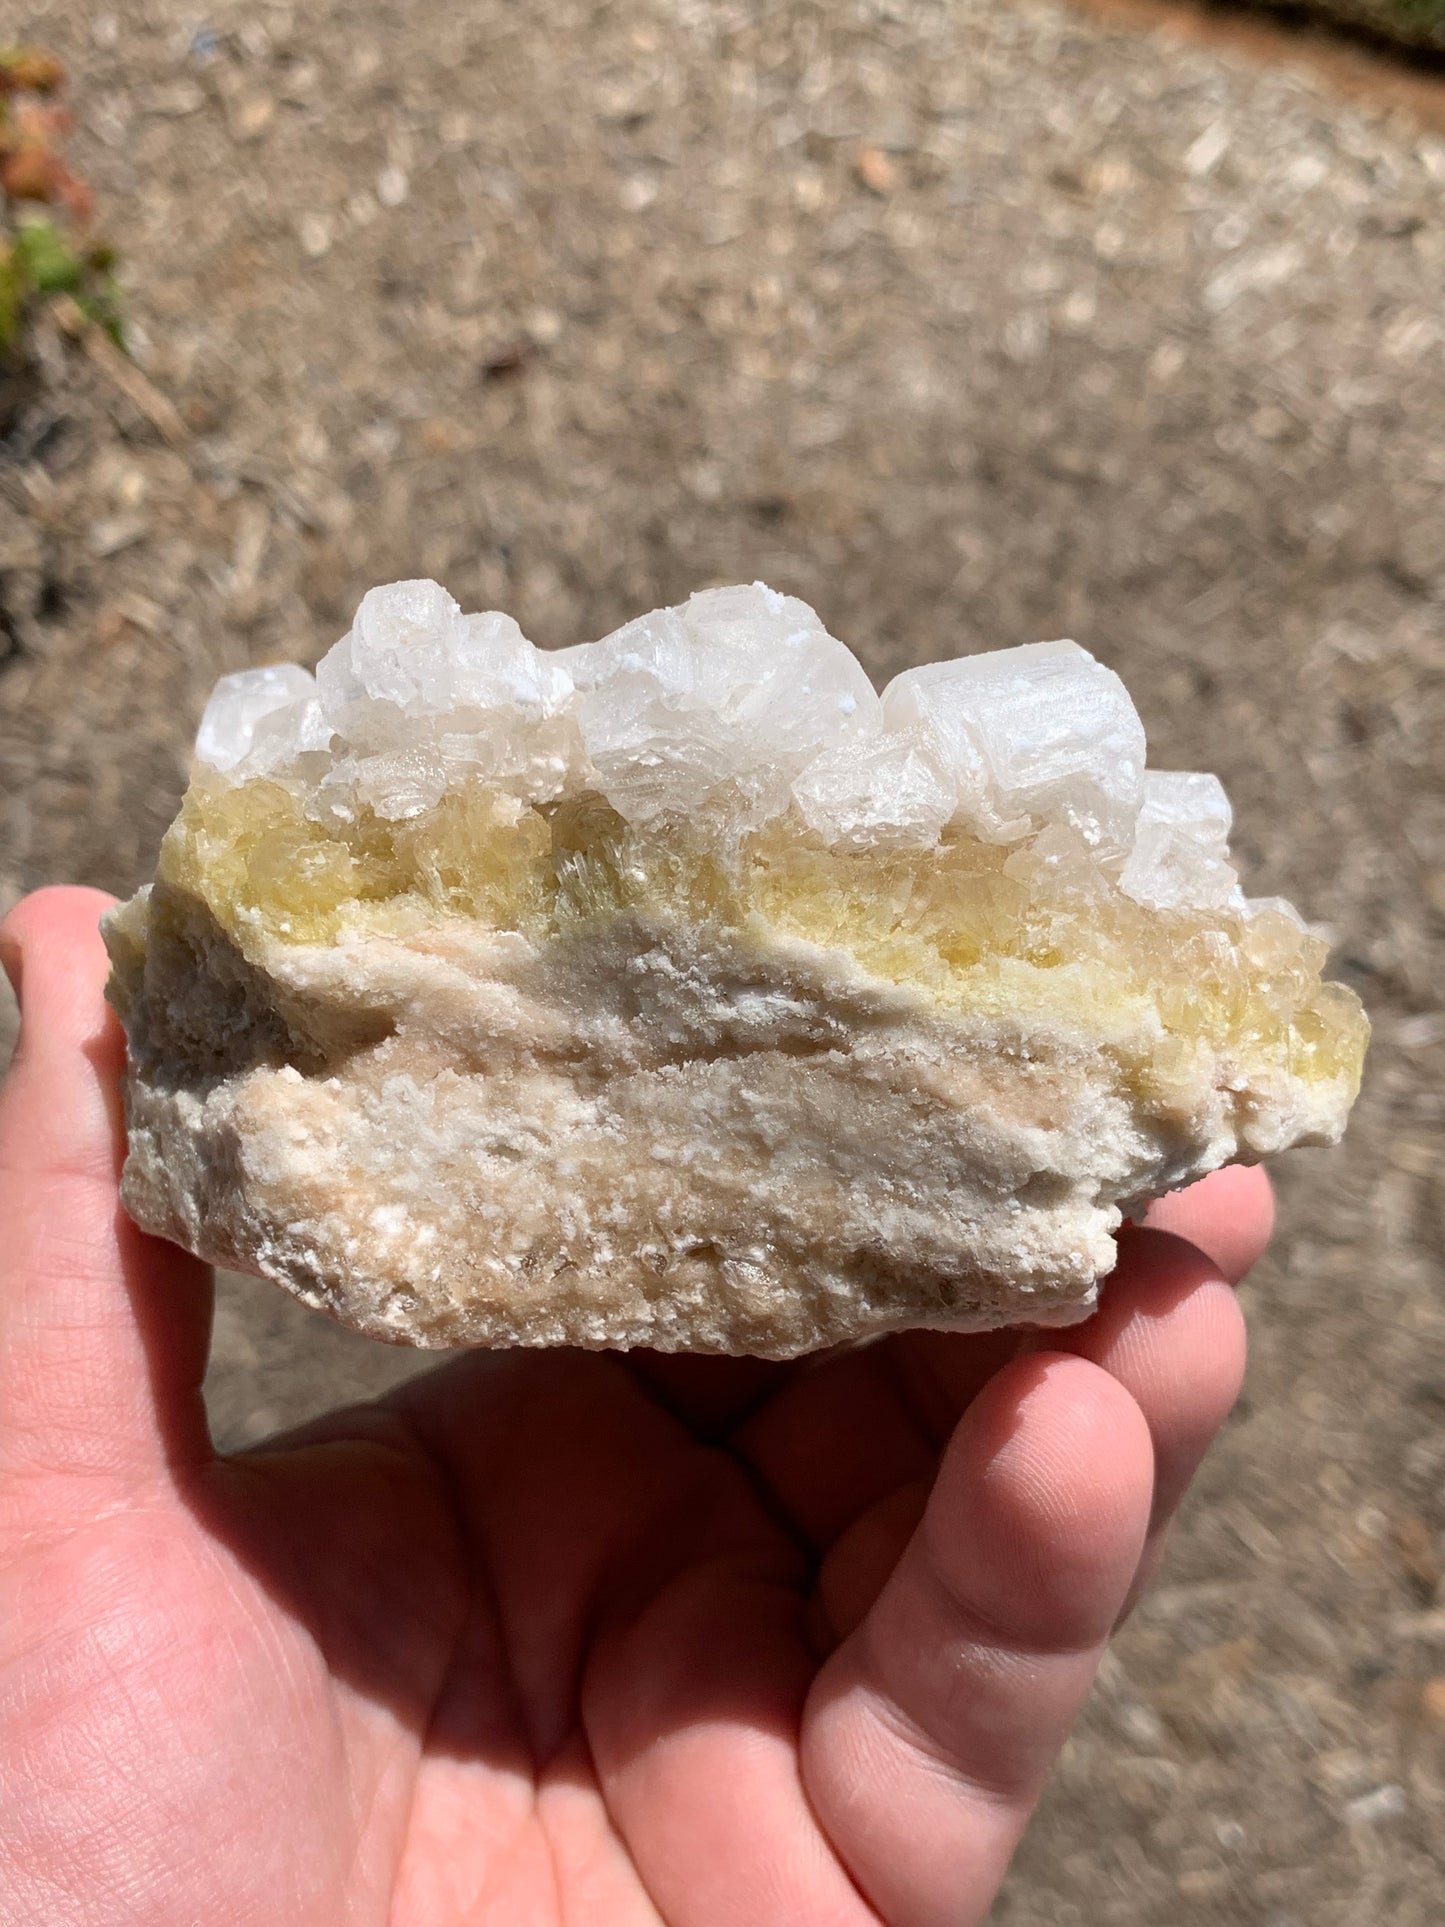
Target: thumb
(103,1331)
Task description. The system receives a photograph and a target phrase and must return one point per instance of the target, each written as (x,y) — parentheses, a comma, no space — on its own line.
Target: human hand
(553,1636)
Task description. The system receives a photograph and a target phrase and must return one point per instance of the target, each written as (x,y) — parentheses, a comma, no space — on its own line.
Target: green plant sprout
(48,247)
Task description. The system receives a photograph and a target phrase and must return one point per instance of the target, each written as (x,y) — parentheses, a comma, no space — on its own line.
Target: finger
(844,1433)
(929,1733)
(103,1331)
(579,1487)
(1171,1332)
(859,1561)
(691,1712)
(1229,1214)
(1169,1329)
(834,1441)
(708,1395)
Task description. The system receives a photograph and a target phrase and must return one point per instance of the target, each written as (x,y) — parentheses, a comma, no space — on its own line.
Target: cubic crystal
(1181,844)
(891,790)
(1030,733)
(282,693)
(741,686)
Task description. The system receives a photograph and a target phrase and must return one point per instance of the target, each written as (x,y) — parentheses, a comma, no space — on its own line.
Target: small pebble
(392,186)
(1372,1809)
(875,170)
(315,235)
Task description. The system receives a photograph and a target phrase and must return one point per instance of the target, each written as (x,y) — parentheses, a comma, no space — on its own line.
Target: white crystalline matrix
(678,989)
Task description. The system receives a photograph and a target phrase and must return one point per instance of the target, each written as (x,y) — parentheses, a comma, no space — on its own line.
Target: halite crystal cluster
(678,989)
(738,704)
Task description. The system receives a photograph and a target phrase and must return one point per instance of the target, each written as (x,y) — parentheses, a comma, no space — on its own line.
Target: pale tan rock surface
(677,991)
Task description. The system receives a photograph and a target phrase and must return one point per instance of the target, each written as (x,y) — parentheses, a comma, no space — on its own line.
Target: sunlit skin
(552,1637)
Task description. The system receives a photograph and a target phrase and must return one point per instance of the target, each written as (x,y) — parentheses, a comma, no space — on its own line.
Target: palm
(551,1637)
(480,1619)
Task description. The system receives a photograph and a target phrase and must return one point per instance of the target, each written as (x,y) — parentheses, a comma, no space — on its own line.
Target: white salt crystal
(893,790)
(738,705)
(1181,847)
(1255,907)
(239,704)
(737,686)
(401,784)
(398,643)
(491,665)
(1031,733)
(469,694)
(300,729)
(1187,801)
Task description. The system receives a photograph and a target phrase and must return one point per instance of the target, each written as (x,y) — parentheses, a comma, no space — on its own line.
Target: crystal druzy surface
(679,989)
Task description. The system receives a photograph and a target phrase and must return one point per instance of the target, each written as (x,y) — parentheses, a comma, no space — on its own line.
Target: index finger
(1229,1215)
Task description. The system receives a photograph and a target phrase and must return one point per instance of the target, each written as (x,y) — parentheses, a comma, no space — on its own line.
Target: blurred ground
(971,323)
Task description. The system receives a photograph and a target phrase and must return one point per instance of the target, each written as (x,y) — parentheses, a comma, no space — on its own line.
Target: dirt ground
(971,323)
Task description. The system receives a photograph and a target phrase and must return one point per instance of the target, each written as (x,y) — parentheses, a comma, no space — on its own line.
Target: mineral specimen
(678,990)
